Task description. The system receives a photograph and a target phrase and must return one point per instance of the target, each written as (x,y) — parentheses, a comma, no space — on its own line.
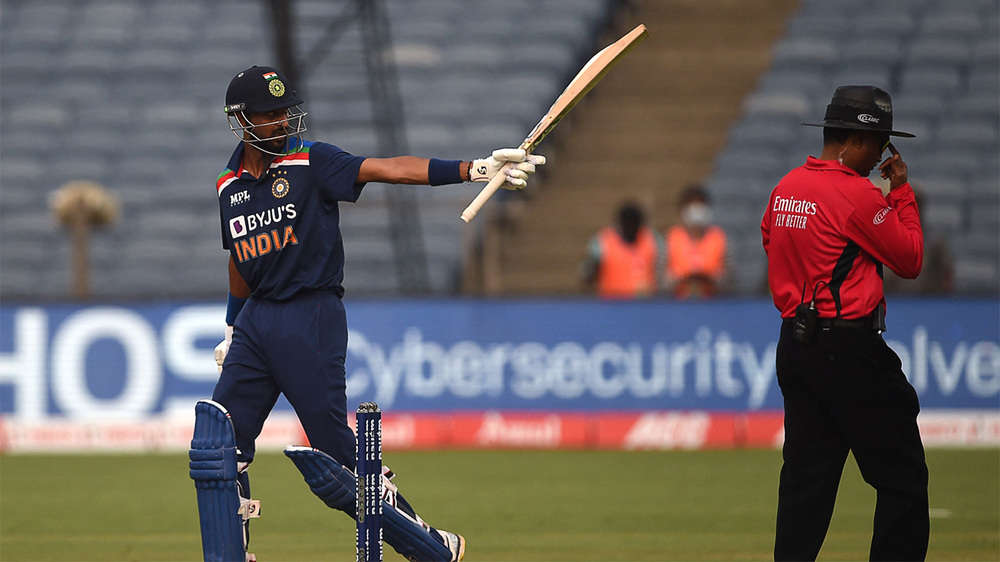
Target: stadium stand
(129,94)
(939,59)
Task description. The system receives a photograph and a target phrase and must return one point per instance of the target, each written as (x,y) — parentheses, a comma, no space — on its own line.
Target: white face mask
(696,214)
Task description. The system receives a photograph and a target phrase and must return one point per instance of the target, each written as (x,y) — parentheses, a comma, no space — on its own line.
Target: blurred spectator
(623,260)
(696,249)
(938,274)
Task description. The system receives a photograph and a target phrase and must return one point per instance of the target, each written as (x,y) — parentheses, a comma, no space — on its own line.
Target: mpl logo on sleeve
(880,216)
(238,226)
(239,198)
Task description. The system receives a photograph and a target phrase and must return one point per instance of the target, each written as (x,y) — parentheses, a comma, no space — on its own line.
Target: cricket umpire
(828,233)
(279,198)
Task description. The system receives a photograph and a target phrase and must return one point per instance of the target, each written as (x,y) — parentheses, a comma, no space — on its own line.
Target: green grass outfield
(510,505)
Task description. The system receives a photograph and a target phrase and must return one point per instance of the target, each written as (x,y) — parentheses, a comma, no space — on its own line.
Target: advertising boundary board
(631,431)
(670,368)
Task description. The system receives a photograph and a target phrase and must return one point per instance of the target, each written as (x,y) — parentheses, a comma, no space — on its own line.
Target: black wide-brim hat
(863,108)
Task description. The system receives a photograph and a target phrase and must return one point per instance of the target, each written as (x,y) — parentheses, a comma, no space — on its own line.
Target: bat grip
(484,195)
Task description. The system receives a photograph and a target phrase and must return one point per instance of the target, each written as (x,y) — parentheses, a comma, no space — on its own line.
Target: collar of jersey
(236,160)
(814,163)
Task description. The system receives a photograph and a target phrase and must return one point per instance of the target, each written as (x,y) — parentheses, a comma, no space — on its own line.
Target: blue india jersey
(283,229)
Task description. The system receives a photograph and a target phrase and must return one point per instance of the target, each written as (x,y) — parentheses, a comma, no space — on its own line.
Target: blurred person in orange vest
(696,249)
(623,260)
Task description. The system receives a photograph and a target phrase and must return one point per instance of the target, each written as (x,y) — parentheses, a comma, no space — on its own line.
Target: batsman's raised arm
(433,171)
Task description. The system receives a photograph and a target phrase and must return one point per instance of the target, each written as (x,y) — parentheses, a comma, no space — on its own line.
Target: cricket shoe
(455,543)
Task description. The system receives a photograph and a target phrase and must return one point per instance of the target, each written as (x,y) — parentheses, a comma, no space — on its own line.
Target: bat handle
(494,184)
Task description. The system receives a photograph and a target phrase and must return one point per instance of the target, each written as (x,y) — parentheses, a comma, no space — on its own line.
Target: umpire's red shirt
(824,222)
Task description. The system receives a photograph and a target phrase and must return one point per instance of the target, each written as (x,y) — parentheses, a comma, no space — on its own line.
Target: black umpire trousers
(843,392)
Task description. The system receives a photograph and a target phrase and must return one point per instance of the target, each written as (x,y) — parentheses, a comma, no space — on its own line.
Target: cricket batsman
(286,330)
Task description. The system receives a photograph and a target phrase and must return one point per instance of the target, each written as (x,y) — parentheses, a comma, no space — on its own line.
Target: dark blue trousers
(295,347)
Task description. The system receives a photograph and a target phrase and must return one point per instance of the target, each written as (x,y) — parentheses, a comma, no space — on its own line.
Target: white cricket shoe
(455,543)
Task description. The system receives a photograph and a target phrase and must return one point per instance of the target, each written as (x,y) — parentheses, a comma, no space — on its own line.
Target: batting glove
(223,348)
(521,165)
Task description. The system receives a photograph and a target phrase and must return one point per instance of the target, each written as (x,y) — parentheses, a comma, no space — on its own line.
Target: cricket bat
(587,78)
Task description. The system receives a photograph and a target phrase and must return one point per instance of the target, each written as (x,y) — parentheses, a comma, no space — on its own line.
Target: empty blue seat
(984,78)
(811,26)
(976,275)
(797,53)
(787,104)
(975,133)
(984,217)
(983,106)
(925,105)
(888,23)
(984,188)
(755,161)
(757,132)
(949,160)
(808,82)
(552,57)
(89,62)
(873,50)
(872,76)
(939,80)
(957,23)
(937,185)
(938,51)
(987,50)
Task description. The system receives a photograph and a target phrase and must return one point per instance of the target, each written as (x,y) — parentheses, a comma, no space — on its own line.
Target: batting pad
(337,486)
(213,469)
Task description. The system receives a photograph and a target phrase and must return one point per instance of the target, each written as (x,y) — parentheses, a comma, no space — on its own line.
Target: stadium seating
(939,59)
(129,94)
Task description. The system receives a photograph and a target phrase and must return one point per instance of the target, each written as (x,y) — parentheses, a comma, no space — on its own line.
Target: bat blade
(583,82)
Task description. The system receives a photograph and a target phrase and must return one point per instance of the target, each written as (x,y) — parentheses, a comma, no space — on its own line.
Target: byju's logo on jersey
(245,224)
(238,226)
(239,198)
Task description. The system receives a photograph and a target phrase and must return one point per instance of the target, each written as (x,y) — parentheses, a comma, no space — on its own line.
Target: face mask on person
(696,214)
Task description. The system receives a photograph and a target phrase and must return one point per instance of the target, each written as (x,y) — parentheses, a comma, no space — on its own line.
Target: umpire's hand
(894,169)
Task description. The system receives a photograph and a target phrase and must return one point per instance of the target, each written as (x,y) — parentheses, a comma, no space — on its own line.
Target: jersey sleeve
(889,228)
(765,225)
(336,172)
(222,226)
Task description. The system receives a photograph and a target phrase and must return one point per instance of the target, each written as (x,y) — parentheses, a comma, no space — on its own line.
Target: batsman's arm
(237,286)
(414,170)
(239,292)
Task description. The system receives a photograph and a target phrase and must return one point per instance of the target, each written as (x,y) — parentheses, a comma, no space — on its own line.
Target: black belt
(874,321)
(857,323)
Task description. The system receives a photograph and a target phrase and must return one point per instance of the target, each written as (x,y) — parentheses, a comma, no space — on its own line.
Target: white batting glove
(522,165)
(223,348)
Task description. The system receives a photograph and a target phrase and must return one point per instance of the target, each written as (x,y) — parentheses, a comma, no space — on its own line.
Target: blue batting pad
(213,469)
(337,486)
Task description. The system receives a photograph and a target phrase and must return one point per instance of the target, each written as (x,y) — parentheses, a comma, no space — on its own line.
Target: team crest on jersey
(280,188)
(276,87)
